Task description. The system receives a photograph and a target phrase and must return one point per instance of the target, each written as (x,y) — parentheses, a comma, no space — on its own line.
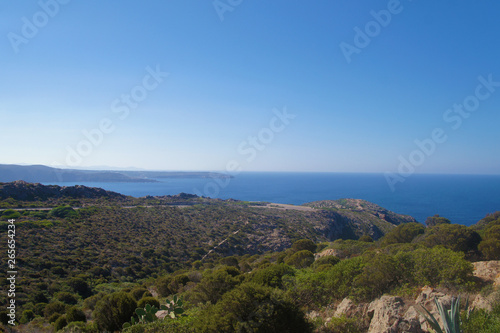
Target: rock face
(388,316)
(392,314)
(488,271)
(23,191)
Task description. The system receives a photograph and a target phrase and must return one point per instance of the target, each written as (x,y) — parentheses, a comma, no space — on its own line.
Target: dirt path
(286,207)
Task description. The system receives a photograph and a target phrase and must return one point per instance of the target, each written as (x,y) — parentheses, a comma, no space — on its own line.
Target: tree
(301,259)
(271,276)
(80,286)
(113,310)
(403,233)
(253,308)
(75,314)
(304,244)
(455,237)
(432,221)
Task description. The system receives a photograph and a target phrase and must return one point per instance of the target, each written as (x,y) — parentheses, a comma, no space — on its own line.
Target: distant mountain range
(45,174)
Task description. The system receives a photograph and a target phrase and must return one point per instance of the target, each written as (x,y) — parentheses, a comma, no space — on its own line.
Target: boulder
(347,308)
(386,314)
(488,271)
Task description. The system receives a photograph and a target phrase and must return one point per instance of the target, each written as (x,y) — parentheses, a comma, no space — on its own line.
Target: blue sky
(233,67)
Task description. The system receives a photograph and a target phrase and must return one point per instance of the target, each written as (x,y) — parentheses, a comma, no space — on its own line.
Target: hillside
(81,245)
(45,174)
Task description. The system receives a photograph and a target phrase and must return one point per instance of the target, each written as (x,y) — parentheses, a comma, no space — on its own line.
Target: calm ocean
(463,199)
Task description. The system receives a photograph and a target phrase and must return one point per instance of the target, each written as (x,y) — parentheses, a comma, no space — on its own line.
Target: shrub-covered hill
(361,214)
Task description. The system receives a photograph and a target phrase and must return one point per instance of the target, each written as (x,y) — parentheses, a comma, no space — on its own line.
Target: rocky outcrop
(354,217)
(392,314)
(347,308)
(488,271)
(388,316)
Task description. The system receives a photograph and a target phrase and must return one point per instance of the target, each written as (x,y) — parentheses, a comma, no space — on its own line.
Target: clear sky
(284,85)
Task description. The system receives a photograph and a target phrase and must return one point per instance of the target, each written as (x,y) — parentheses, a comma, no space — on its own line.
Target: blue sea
(464,199)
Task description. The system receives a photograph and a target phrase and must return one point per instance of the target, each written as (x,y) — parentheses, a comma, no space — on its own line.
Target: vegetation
(215,266)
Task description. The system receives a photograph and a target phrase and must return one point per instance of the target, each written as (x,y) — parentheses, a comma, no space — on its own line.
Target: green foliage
(60,323)
(252,308)
(304,244)
(10,214)
(450,318)
(349,248)
(482,321)
(80,286)
(380,273)
(27,316)
(271,276)
(174,307)
(138,292)
(214,284)
(148,300)
(490,248)
(343,325)
(366,238)
(66,297)
(301,259)
(113,310)
(75,314)
(452,236)
(432,221)
(63,212)
(53,308)
(326,260)
(404,233)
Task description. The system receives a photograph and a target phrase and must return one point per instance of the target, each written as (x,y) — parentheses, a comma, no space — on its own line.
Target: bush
(455,237)
(80,286)
(214,284)
(63,212)
(432,221)
(404,233)
(326,260)
(148,300)
(66,297)
(54,307)
(60,323)
(271,276)
(75,314)
(304,244)
(138,292)
(27,316)
(113,310)
(301,259)
(252,308)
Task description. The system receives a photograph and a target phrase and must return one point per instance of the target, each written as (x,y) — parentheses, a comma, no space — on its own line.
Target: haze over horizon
(387,86)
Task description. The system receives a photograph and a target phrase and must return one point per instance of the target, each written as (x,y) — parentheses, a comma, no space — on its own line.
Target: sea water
(463,199)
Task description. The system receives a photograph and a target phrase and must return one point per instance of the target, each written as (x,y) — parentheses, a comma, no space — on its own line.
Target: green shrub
(148,300)
(304,244)
(66,297)
(63,212)
(301,259)
(404,233)
(54,307)
(271,276)
(252,308)
(138,292)
(60,323)
(113,310)
(214,284)
(75,314)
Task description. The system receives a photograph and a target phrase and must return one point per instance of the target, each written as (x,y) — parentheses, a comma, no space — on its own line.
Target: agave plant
(450,318)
